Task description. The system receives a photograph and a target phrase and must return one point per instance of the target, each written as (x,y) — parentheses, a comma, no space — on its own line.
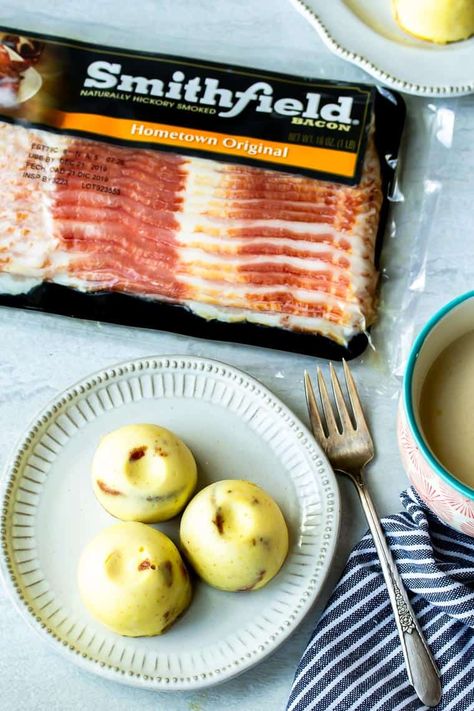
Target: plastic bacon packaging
(194,197)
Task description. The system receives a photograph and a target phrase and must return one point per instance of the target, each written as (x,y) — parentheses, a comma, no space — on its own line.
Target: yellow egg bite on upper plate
(436,20)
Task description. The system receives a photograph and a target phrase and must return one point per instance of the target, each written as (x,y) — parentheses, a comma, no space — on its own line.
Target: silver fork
(349,448)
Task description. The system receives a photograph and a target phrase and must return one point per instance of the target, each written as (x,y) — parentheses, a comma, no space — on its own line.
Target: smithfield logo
(207,92)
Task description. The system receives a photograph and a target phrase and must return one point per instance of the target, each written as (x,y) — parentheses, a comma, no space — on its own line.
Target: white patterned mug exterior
(449,498)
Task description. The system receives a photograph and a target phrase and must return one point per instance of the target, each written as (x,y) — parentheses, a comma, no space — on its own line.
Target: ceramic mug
(449,498)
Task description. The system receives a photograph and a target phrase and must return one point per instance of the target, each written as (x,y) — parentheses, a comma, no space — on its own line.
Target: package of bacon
(193,197)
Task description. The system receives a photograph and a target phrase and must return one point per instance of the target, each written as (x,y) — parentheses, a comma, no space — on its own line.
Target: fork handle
(421,667)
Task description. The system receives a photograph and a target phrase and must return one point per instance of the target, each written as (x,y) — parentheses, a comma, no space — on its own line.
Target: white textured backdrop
(41,354)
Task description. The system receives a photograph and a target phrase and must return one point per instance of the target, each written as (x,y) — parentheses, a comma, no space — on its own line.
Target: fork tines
(346,421)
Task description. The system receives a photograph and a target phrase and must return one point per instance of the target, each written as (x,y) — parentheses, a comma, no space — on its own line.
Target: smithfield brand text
(207,91)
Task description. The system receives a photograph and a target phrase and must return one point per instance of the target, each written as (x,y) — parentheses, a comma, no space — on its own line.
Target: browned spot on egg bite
(145,564)
(255,582)
(136,453)
(170,613)
(218,521)
(255,500)
(161,452)
(165,497)
(106,489)
(167,572)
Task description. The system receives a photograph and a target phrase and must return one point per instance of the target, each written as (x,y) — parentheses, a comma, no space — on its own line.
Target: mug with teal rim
(449,498)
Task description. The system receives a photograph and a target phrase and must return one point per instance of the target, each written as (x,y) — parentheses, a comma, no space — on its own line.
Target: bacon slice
(228,242)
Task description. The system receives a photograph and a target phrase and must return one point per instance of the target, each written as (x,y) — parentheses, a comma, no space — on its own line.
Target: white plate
(31,80)
(365,33)
(236,429)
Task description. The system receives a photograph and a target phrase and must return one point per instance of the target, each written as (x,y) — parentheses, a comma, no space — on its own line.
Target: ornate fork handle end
(421,667)
(407,623)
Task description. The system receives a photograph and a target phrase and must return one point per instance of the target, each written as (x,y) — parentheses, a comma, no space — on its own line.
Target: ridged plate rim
(315,11)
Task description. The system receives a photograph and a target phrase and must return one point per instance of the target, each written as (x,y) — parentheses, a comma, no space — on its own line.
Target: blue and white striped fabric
(354,660)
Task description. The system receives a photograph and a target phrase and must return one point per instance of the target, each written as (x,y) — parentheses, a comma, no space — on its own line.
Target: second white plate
(365,33)
(237,429)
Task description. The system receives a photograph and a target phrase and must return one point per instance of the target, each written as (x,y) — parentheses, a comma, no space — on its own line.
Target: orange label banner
(326,160)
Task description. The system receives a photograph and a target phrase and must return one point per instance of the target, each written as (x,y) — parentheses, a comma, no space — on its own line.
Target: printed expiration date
(44,164)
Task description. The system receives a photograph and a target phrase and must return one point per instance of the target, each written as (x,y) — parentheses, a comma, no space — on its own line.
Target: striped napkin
(354,659)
